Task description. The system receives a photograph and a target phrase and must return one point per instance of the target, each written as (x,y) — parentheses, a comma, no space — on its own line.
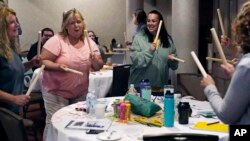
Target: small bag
(141,106)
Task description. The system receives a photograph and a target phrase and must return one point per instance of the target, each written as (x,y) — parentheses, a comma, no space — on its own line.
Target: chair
(14,126)
(36,98)
(182,137)
(120,80)
(189,84)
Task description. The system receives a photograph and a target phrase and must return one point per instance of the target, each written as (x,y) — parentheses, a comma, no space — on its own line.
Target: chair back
(12,125)
(188,84)
(120,80)
(182,137)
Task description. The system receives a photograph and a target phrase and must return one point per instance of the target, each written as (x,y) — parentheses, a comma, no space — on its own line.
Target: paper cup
(100,110)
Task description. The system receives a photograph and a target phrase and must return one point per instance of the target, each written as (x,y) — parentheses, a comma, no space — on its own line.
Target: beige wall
(163,6)
(105,17)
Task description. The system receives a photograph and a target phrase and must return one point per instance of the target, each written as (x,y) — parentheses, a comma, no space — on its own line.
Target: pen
(212,123)
(69,123)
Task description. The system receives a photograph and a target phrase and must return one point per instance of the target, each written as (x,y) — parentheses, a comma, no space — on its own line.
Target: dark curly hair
(241,28)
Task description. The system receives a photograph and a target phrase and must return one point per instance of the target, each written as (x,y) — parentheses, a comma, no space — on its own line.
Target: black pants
(3,136)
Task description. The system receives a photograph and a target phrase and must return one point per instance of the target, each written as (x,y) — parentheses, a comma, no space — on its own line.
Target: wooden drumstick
(73,71)
(218,45)
(158,32)
(39,42)
(87,36)
(218,60)
(198,63)
(125,37)
(35,80)
(178,59)
(221,22)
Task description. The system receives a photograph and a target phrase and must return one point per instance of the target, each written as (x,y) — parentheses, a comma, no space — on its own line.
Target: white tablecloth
(99,81)
(129,132)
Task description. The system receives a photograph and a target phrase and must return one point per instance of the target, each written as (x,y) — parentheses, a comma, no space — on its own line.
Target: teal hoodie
(148,64)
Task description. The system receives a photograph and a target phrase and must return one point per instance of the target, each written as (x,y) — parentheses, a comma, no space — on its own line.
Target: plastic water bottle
(132,90)
(169,110)
(91,101)
(144,83)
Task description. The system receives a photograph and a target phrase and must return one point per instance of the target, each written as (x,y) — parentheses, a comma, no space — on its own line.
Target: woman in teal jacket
(152,60)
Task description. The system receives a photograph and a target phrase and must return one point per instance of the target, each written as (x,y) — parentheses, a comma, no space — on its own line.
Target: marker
(212,123)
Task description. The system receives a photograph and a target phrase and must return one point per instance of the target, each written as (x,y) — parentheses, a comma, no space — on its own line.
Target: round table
(132,131)
(99,81)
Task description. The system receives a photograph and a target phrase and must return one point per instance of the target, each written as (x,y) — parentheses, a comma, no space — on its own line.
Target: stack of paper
(82,124)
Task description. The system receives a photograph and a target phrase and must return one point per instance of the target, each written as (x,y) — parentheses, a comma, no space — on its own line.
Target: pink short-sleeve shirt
(67,84)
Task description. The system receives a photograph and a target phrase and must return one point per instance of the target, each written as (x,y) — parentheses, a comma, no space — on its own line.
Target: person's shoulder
(57,36)
(245,60)
(56,39)
(34,45)
(141,34)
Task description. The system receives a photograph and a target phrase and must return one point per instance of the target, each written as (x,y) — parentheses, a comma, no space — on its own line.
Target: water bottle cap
(144,80)
(169,92)
(183,105)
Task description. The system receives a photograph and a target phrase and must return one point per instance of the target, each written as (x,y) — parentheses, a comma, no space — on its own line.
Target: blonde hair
(5,43)
(241,28)
(67,16)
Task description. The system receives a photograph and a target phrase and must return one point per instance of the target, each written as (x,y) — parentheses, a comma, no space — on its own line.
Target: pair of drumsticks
(43,66)
(218,45)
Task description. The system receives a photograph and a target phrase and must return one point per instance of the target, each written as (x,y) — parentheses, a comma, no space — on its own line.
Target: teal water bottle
(169,108)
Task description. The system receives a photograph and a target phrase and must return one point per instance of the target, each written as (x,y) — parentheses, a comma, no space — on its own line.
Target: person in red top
(67,49)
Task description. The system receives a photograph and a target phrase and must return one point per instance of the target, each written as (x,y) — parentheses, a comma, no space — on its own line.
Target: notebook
(218,127)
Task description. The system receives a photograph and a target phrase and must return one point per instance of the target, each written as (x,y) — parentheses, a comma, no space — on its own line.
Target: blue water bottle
(169,108)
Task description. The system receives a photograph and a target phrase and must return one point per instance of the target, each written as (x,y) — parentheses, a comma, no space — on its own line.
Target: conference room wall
(105,17)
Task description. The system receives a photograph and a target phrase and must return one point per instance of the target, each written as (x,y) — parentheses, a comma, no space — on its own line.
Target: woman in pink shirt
(67,49)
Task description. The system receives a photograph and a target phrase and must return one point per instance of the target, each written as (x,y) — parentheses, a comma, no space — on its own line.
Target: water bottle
(184,111)
(143,83)
(91,101)
(146,93)
(132,90)
(169,108)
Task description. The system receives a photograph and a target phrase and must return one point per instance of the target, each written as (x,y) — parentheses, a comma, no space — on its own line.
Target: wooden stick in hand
(218,45)
(125,37)
(198,63)
(158,32)
(178,59)
(73,71)
(221,22)
(35,80)
(218,60)
(87,36)
(39,42)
